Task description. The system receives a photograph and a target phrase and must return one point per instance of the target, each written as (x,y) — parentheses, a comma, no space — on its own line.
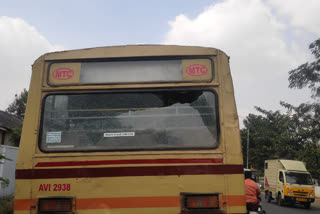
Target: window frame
(281,175)
(298,173)
(130,91)
(126,59)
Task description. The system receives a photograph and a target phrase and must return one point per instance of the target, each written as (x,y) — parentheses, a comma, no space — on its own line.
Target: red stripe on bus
(128,171)
(116,162)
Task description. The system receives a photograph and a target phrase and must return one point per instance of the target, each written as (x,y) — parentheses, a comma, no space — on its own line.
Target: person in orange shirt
(252,192)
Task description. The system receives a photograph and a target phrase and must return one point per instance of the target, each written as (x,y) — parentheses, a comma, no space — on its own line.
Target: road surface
(273,208)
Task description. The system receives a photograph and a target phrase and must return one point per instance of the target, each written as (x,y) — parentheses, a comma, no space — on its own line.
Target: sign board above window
(144,71)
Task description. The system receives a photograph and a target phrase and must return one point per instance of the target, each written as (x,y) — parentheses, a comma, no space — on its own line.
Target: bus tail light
(201,201)
(54,205)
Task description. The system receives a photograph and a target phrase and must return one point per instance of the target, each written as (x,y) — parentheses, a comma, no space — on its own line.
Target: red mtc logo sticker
(63,73)
(197,70)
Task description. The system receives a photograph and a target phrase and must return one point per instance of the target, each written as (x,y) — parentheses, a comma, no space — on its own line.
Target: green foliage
(308,74)
(269,137)
(292,135)
(6,205)
(18,106)
(4,181)
(16,135)
(3,157)
(306,120)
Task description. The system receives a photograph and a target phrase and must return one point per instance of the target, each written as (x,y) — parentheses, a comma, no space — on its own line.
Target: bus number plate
(54,187)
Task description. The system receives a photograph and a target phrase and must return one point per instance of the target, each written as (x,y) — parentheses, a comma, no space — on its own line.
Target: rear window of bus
(131,120)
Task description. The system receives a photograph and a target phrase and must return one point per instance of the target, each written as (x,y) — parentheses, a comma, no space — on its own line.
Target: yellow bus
(128,130)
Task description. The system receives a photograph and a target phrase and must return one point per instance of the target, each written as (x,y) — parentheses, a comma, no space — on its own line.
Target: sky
(265,39)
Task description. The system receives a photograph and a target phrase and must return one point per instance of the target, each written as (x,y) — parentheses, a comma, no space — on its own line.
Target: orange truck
(288,181)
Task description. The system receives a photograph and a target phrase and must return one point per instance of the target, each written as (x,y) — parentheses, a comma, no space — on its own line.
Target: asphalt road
(273,208)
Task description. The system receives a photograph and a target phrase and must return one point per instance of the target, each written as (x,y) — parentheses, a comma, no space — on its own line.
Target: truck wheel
(269,197)
(307,205)
(266,195)
(279,200)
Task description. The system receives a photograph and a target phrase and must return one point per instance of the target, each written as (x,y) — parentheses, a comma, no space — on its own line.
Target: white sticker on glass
(53,137)
(119,134)
(60,146)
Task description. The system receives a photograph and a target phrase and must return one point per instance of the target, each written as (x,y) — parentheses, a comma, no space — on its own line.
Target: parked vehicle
(288,181)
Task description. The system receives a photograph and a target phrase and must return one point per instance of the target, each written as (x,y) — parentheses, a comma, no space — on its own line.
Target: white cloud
(20,45)
(259,43)
(299,13)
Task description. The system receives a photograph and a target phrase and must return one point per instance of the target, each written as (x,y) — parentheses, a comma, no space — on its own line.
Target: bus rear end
(132,129)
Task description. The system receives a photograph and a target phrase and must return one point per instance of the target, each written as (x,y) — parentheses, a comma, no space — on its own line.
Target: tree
(308,115)
(18,106)
(292,135)
(306,122)
(308,74)
(16,135)
(270,137)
